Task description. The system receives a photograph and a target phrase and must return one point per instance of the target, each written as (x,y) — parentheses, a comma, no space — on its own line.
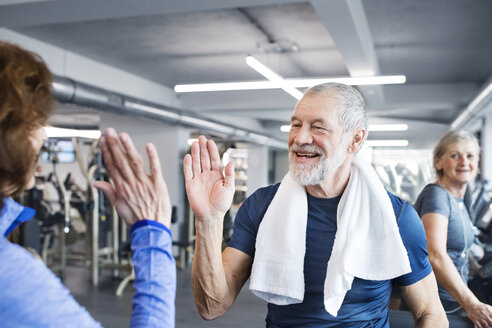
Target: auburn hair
(26,102)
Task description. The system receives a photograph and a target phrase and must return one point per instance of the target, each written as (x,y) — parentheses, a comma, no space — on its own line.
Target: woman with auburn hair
(26,104)
(448,226)
(30,294)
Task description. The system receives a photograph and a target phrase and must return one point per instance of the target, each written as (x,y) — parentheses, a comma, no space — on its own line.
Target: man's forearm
(209,282)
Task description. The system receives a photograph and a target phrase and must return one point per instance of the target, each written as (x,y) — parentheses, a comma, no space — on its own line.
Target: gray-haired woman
(447,224)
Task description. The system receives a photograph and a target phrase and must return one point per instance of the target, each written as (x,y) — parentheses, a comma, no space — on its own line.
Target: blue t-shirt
(366,304)
(460,236)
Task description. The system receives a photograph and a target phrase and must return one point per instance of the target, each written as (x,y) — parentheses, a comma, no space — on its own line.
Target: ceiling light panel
(386,143)
(53,132)
(272,76)
(388,127)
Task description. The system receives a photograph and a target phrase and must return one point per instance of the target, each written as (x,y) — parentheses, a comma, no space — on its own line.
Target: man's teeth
(306,155)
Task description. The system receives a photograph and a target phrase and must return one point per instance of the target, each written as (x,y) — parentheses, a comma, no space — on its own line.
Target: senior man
(324,245)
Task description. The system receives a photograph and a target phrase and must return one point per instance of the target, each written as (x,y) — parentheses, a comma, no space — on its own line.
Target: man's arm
(216,284)
(423,301)
(216,278)
(142,201)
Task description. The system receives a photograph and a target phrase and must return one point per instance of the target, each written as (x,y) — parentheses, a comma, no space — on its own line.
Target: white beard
(313,174)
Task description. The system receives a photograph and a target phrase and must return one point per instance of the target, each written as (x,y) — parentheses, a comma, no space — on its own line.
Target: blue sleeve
(155,275)
(413,236)
(32,296)
(433,199)
(248,219)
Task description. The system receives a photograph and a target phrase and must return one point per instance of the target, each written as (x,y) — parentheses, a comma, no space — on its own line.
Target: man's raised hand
(209,190)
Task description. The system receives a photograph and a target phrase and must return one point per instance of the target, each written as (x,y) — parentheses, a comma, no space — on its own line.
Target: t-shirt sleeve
(248,219)
(433,199)
(245,229)
(413,236)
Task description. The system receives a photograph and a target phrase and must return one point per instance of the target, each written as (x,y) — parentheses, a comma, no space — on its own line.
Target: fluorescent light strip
(285,128)
(232,86)
(191,141)
(272,76)
(365,80)
(297,83)
(388,127)
(386,143)
(53,132)
(372,127)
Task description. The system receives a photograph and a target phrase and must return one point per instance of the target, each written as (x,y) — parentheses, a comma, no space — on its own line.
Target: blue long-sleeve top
(32,296)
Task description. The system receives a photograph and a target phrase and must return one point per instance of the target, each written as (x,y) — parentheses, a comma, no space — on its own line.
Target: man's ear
(356,141)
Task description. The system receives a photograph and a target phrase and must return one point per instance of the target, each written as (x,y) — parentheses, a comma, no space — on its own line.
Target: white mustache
(307,149)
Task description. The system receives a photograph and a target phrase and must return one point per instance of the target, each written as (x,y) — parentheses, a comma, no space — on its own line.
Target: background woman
(447,224)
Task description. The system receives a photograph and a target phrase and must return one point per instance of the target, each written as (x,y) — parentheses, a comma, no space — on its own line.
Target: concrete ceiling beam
(347,24)
(72,11)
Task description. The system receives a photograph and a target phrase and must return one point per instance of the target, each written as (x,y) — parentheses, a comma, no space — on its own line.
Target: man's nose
(303,136)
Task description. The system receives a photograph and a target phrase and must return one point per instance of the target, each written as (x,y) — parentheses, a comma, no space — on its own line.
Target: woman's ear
(356,142)
(437,163)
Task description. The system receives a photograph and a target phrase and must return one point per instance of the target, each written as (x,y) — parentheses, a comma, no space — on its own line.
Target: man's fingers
(229,174)
(195,158)
(187,169)
(107,189)
(204,156)
(214,156)
(134,159)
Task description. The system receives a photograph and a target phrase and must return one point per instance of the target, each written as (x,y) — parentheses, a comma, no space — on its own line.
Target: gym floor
(113,311)
(248,310)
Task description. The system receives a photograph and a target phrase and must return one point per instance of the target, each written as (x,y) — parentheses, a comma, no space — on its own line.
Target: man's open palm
(209,190)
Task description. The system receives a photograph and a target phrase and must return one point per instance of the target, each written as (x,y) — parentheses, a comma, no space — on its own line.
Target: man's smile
(309,155)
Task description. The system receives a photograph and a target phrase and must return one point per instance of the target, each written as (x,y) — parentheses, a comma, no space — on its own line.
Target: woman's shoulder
(433,198)
(434,190)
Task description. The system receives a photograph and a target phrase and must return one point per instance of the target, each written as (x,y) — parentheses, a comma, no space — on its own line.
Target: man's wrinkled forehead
(324,102)
(326,99)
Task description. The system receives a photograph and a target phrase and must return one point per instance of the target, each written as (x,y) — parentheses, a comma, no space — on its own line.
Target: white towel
(367,243)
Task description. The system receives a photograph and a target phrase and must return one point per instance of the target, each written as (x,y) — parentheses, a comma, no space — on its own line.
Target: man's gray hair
(450,138)
(352,112)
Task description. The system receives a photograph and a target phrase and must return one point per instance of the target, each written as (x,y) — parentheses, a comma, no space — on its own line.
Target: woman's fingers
(134,160)
(107,189)
(108,161)
(154,164)
(118,155)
